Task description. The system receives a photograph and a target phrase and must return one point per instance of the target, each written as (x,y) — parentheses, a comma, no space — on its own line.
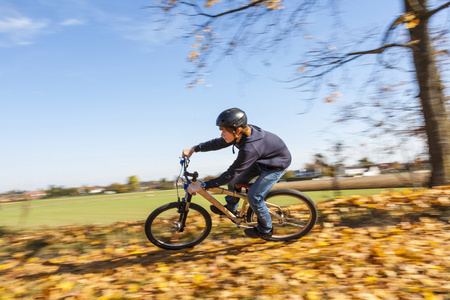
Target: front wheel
(163,226)
(293,214)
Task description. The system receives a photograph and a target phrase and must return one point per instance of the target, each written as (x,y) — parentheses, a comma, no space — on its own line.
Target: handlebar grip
(194,175)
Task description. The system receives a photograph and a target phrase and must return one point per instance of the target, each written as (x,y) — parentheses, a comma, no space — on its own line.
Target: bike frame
(207,195)
(241,215)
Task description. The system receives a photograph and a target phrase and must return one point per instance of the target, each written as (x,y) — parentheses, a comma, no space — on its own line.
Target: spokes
(293,214)
(163,227)
(293,224)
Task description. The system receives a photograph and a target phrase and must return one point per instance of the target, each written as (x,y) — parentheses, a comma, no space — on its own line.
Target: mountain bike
(184,224)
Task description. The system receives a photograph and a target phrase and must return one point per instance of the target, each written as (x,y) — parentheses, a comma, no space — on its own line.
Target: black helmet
(232,117)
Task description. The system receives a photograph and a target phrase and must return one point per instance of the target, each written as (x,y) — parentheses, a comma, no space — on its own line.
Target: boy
(261,153)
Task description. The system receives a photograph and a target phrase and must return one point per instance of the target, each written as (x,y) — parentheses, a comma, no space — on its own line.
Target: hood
(257,134)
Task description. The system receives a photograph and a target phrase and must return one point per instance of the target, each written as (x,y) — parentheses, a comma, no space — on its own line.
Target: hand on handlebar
(193,188)
(187,152)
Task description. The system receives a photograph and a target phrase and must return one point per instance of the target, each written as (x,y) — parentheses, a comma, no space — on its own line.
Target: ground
(388,246)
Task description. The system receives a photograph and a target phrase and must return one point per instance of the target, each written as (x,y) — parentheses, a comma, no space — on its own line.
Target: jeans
(257,193)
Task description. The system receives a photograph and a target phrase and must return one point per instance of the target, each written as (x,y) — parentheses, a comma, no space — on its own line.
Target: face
(227,136)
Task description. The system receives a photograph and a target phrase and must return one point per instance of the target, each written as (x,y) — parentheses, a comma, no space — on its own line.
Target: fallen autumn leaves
(389,246)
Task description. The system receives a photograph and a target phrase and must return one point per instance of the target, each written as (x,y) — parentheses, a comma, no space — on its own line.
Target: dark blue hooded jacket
(261,147)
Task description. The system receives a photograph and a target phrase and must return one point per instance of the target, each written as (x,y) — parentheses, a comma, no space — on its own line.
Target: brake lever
(184,162)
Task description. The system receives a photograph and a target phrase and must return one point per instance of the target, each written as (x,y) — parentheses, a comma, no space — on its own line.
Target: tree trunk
(431,96)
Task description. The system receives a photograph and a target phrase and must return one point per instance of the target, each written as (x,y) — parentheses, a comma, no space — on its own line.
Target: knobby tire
(300,214)
(161,226)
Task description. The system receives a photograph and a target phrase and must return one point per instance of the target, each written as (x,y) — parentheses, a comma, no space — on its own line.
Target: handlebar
(185,163)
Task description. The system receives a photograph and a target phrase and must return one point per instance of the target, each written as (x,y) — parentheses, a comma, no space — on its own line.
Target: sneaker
(255,234)
(219,212)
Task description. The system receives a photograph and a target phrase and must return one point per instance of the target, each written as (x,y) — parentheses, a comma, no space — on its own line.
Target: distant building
(363,171)
(354,171)
(96,190)
(34,195)
(308,173)
(372,171)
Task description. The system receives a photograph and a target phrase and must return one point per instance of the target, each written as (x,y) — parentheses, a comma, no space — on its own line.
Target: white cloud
(20,30)
(143,33)
(148,33)
(72,22)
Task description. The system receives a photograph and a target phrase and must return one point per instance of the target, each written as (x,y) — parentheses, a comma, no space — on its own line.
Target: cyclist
(261,154)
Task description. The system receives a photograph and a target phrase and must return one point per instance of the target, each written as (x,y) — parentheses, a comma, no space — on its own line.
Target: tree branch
(433,11)
(201,13)
(417,8)
(346,58)
(381,49)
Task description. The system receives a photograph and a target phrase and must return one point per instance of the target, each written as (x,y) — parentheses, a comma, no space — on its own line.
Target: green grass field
(107,209)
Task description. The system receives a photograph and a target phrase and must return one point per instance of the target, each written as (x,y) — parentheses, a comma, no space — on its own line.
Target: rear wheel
(293,214)
(162,227)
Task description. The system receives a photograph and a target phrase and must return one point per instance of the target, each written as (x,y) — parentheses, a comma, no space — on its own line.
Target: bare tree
(225,28)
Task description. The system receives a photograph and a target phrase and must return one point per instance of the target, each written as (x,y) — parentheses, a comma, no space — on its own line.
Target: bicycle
(184,224)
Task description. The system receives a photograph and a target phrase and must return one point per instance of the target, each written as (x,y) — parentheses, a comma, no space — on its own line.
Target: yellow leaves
(162,267)
(338,271)
(303,68)
(401,260)
(270,4)
(322,244)
(97,242)
(396,205)
(134,241)
(371,279)
(202,43)
(413,23)
(20,255)
(65,286)
(429,295)
(199,279)
(410,19)
(378,252)
(133,288)
(168,4)
(313,295)
(210,3)
(57,261)
(274,4)
(334,97)
(193,54)
(444,201)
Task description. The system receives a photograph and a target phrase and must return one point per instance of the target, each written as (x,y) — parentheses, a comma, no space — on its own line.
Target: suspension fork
(183,209)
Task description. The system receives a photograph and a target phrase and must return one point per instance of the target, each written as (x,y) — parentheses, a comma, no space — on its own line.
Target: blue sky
(90,94)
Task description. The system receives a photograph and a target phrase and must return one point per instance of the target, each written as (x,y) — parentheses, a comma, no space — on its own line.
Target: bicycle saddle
(243,185)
